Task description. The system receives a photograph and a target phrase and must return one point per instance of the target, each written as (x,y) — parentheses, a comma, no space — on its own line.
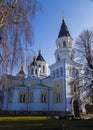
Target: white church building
(40,93)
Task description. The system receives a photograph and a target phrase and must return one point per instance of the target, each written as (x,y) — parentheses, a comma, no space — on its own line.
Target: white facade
(42,93)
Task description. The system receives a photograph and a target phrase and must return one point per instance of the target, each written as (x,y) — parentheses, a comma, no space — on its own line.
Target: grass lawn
(33,122)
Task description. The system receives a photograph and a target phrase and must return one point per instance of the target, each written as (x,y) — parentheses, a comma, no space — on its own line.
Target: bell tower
(64,44)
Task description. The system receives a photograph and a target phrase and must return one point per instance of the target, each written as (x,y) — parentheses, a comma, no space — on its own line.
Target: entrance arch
(76,108)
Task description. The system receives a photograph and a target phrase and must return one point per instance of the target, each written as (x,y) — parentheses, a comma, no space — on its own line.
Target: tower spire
(64,29)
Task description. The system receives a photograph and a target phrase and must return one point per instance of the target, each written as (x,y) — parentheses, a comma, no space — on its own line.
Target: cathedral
(39,93)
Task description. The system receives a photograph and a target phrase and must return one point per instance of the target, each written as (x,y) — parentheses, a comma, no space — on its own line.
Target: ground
(43,123)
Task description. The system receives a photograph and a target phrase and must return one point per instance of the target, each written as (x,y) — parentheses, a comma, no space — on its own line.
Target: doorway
(76,108)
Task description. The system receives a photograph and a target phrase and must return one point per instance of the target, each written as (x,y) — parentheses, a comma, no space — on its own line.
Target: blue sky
(78,16)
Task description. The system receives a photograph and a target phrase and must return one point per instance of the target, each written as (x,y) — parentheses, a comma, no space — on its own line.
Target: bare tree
(16,30)
(84,45)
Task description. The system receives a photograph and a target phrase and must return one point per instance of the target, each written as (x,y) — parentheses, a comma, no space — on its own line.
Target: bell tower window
(36,71)
(43,69)
(53,74)
(32,71)
(64,43)
(58,58)
(61,71)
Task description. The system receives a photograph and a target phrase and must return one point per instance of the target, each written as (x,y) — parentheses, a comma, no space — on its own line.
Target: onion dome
(22,70)
(64,30)
(34,63)
(40,57)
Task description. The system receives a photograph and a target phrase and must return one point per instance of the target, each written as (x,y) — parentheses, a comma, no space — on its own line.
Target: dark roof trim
(64,30)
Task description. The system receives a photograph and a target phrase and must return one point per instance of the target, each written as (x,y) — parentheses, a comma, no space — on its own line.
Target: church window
(73,71)
(58,58)
(10,96)
(53,74)
(21,98)
(36,71)
(64,43)
(72,56)
(43,98)
(32,71)
(24,98)
(61,71)
(77,72)
(58,98)
(57,71)
(39,65)
(57,85)
(43,69)
(70,44)
(59,45)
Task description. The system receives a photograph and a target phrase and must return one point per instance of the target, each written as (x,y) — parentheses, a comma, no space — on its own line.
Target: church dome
(21,71)
(34,63)
(40,57)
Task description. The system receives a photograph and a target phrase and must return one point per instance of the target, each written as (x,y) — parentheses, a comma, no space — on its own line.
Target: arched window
(57,73)
(43,69)
(58,58)
(53,74)
(72,57)
(58,98)
(59,45)
(64,43)
(73,71)
(36,71)
(77,72)
(32,71)
(45,98)
(61,71)
(24,98)
(21,98)
(39,65)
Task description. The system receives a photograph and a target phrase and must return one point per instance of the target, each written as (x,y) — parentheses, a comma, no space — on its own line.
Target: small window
(57,73)
(77,72)
(58,98)
(57,85)
(39,65)
(58,58)
(64,43)
(43,98)
(43,69)
(24,98)
(32,71)
(61,71)
(72,57)
(21,98)
(59,45)
(36,71)
(53,74)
